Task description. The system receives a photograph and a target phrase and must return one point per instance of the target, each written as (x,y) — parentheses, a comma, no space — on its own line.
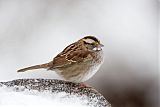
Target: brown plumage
(75,61)
(46,65)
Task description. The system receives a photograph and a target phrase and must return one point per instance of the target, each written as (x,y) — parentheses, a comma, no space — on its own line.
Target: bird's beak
(101,45)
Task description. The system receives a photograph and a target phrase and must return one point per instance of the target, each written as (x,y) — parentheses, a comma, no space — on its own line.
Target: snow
(10,97)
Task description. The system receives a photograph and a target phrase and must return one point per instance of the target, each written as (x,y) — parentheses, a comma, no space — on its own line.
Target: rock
(94,98)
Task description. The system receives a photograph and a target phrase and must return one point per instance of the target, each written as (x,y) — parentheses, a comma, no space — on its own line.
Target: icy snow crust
(34,97)
(49,92)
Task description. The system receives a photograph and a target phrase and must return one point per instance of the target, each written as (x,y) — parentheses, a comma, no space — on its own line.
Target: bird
(78,62)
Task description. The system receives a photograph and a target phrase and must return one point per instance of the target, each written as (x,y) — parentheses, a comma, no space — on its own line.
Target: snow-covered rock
(49,92)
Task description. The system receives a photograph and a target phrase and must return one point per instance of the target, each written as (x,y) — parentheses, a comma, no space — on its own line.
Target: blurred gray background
(34,31)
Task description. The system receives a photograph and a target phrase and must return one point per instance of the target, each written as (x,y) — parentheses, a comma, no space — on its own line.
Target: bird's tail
(46,65)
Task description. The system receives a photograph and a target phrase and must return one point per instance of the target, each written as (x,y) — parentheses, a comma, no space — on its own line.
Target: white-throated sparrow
(78,62)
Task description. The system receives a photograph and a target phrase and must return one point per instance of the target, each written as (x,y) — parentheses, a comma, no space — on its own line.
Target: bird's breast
(82,71)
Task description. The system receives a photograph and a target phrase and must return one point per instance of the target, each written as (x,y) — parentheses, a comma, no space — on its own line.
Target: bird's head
(92,43)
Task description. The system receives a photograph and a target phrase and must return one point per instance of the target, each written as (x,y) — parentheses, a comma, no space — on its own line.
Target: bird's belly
(91,71)
(79,73)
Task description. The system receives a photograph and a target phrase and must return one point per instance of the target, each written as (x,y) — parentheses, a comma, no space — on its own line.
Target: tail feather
(46,65)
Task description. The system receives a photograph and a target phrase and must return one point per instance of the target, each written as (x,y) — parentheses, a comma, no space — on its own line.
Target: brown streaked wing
(60,59)
(78,56)
(70,56)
